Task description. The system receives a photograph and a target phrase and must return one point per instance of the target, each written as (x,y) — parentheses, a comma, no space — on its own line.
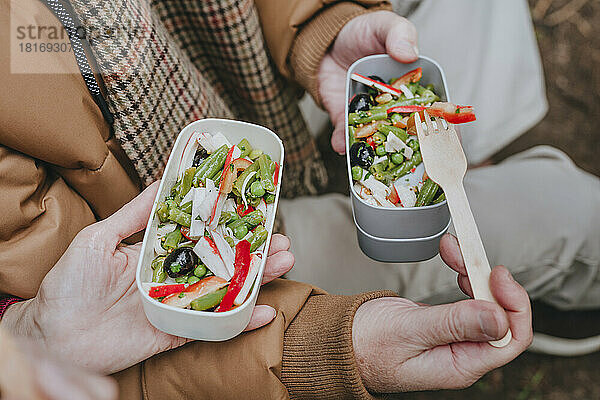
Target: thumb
(464,321)
(261,316)
(401,42)
(132,217)
(338,142)
(398,34)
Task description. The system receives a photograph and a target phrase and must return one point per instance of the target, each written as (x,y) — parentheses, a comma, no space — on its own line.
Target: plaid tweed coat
(168,63)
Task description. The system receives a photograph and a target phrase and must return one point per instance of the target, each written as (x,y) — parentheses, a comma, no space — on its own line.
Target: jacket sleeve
(299,32)
(58,159)
(305,353)
(40,217)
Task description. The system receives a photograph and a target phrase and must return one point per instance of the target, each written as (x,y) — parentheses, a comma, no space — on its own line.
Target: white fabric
(489,54)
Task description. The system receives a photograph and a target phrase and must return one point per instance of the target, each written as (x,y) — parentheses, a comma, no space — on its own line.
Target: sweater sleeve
(304,353)
(299,32)
(318,355)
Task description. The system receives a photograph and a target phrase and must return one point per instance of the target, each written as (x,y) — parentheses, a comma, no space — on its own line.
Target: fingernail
(271,313)
(406,49)
(488,324)
(510,275)
(416,50)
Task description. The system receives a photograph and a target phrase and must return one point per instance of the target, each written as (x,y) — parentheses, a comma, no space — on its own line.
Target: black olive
(376,78)
(360,102)
(361,154)
(200,155)
(373,91)
(180,262)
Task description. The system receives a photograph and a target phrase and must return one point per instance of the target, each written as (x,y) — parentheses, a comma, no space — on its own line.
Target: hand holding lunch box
(88,309)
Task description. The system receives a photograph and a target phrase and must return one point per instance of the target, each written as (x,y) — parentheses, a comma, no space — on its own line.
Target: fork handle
(471,247)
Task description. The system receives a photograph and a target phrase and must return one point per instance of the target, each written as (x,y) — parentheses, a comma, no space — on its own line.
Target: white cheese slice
(394,144)
(205,140)
(379,159)
(407,92)
(219,140)
(407,197)
(376,187)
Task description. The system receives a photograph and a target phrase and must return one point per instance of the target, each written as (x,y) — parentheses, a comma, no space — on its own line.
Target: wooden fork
(446,164)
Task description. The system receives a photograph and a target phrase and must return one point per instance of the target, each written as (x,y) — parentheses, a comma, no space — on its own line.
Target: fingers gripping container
(397,234)
(203,325)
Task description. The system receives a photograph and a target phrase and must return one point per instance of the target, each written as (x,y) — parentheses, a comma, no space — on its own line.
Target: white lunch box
(204,325)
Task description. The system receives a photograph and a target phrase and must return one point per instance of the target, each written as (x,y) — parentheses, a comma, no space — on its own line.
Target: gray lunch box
(397,234)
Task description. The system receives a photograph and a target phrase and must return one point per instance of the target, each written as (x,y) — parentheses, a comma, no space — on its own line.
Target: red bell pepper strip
(244,211)
(242,266)
(413,76)
(165,290)
(371,142)
(406,109)
(185,231)
(452,113)
(276,174)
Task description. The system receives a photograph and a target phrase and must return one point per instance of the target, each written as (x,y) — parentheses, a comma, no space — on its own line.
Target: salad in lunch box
(384,149)
(213,226)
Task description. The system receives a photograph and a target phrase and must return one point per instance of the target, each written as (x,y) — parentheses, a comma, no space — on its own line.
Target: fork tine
(440,124)
(445,124)
(430,127)
(420,133)
(449,128)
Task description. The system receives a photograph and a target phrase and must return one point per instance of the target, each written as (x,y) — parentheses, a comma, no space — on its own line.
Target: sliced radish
(158,249)
(206,206)
(262,206)
(226,252)
(166,228)
(379,159)
(236,152)
(250,175)
(383,201)
(197,228)
(376,84)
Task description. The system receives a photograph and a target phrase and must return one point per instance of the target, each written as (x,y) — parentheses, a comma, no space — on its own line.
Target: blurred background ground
(568,33)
